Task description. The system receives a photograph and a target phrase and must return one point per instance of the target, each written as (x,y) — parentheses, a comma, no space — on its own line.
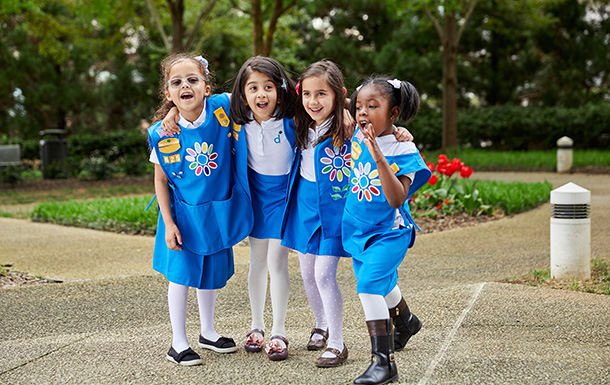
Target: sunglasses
(192,81)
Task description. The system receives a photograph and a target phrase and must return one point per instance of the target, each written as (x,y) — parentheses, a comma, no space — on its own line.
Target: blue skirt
(189,269)
(303,231)
(377,252)
(268,203)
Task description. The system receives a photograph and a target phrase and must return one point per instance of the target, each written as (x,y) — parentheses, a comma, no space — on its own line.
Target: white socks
(393,298)
(207,303)
(376,307)
(319,274)
(268,255)
(177,296)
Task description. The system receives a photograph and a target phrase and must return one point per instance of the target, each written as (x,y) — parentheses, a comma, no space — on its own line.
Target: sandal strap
(278,337)
(255,331)
(323,333)
(336,352)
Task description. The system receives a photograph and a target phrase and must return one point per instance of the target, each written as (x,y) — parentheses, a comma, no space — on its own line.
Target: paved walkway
(108,323)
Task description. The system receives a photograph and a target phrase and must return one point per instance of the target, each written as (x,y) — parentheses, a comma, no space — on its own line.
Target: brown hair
(166,66)
(328,71)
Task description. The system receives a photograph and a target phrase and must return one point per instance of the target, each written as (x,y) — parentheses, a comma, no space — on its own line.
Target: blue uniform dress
(312,220)
(209,204)
(368,220)
(268,192)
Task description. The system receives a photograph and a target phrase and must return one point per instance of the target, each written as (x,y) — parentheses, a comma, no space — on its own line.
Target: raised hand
(370,140)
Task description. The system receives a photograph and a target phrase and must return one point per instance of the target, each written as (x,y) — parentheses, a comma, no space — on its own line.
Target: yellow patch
(172,158)
(356,150)
(222,117)
(236,130)
(394,167)
(169,145)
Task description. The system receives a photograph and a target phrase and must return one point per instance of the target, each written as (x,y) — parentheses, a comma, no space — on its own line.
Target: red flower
(446,201)
(442,169)
(442,159)
(430,166)
(439,205)
(433,179)
(466,172)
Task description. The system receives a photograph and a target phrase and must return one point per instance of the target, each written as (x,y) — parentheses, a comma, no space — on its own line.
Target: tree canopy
(93,66)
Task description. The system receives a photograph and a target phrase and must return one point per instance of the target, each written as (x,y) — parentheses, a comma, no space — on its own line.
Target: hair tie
(284,86)
(204,62)
(395,83)
(298,88)
(359,87)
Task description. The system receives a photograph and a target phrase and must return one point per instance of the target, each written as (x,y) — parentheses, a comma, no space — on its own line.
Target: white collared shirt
(308,161)
(269,152)
(184,124)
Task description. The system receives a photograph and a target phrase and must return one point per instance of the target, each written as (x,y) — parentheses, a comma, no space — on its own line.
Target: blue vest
(209,198)
(366,200)
(332,168)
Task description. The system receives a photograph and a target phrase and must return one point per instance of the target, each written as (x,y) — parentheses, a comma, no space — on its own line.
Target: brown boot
(406,324)
(383,367)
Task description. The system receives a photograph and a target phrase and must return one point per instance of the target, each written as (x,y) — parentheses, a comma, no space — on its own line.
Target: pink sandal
(253,343)
(274,349)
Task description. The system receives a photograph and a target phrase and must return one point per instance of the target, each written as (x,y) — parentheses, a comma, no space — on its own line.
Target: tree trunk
(177,10)
(256,15)
(450,50)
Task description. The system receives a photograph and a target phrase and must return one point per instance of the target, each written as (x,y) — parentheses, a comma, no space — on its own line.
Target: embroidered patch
(337,165)
(202,158)
(356,151)
(162,133)
(172,158)
(394,167)
(365,182)
(222,117)
(278,138)
(236,130)
(339,192)
(360,136)
(169,145)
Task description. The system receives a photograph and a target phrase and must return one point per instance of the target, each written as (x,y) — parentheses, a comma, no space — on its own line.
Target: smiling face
(190,94)
(373,106)
(261,96)
(318,98)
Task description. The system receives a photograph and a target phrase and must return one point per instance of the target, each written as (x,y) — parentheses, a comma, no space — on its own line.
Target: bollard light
(564,154)
(570,232)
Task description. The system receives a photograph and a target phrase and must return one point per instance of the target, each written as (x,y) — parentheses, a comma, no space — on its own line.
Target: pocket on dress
(210,227)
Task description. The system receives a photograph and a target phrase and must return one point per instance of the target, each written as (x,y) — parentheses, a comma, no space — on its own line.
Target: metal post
(570,232)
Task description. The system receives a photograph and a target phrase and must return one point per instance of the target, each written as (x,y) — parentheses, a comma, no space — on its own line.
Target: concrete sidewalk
(108,322)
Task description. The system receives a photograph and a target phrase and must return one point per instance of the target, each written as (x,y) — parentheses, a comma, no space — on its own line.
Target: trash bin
(53,153)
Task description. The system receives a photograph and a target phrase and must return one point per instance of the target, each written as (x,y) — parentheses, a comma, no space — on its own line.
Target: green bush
(519,128)
(11,174)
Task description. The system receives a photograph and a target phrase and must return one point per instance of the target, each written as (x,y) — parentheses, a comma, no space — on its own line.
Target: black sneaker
(185,358)
(222,345)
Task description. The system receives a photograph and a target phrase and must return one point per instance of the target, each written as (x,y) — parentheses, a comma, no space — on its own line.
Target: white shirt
(308,161)
(184,124)
(269,152)
(389,146)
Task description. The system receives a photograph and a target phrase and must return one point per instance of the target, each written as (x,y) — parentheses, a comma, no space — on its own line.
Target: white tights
(376,306)
(268,255)
(319,274)
(177,296)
